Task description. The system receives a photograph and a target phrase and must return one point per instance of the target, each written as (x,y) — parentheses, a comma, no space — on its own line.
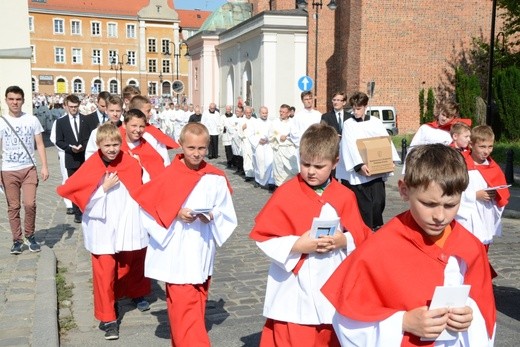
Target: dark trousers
(213,147)
(371,197)
(75,208)
(239,163)
(229,155)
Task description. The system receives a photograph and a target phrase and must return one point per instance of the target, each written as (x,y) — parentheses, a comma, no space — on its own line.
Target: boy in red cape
(382,290)
(189,212)
(481,207)
(461,136)
(102,188)
(297,313)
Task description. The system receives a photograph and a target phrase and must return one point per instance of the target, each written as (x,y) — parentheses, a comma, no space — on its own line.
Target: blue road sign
(305,83)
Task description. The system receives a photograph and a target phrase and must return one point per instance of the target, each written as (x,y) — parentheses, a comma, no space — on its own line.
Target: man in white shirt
(211,119)
(262,151)
(303,119)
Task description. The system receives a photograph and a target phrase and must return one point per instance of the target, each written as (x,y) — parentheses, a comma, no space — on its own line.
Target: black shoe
(272,188)
(77,219)
(141,304)
(70,210)
(17,247)
(111,330)
(256,185)
(248,179)
(32,244)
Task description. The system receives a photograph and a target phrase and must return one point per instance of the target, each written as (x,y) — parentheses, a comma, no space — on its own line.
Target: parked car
(388,116)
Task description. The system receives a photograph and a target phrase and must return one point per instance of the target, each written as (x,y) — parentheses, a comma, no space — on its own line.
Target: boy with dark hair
(189,212)
(461,136)
(382,291)
(353,172)
(103,188)
(19,174)
(297,313)
(483,202)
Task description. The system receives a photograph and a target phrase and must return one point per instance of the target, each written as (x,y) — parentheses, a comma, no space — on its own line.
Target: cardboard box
(376,153)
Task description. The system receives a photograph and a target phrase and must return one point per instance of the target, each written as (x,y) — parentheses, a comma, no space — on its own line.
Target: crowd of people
(339,274)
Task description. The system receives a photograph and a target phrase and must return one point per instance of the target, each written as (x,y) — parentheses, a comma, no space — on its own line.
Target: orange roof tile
(118,8)
(192,18)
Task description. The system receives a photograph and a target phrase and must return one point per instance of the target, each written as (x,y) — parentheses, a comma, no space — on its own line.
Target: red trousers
(186,309)
(115,276)
(284,334)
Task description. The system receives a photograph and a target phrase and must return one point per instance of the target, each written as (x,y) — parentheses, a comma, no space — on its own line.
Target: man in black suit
(338,115)
(100,115)
(72,133)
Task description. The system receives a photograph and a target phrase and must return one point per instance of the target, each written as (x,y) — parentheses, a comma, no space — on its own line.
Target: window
(95,28)
(77,56)
(31,23)
(166,66)
(112,57)
(152,65)
(131,57)
(152,45)
(33,54)
(152,88)
(96,86)
(77,86)
(165,47)
(96,57)
(33,84)
(130,31)
(59,55)
(113,87)
(75,27)
(59,26)
(112,29)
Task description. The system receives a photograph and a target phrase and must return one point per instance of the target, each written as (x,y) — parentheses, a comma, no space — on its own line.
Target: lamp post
(489,109)
(177,55)
(117,65)
(317,6)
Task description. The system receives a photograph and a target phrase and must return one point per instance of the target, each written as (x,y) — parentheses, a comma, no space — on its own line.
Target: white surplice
(297,298)
(262,153)
(184,253)
(247,149)
(285,162)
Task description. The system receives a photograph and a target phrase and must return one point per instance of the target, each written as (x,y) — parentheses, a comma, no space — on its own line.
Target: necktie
(76,128)
(104,118)
(340,122)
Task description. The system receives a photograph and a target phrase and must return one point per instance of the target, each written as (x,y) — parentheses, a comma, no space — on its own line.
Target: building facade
(108,45)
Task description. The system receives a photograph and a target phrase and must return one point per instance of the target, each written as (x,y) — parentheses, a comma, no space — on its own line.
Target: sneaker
(17,247)
(141,304)
(33,245)
(111,331)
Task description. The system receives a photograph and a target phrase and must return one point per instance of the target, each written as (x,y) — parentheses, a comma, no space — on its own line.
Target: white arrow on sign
(305,83)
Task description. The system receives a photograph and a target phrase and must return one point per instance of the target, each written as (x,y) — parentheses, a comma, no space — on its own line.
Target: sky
(206,5)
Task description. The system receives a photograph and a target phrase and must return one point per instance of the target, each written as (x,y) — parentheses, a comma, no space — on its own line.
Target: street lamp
(489,108)
(177,54)
(317,6)
(117,65)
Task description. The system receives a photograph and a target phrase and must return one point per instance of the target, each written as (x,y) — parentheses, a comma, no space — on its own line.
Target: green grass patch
(64,291)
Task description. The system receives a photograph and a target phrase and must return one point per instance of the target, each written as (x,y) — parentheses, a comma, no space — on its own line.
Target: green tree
(467,89)
(511,17)
(430,106)
(421,106)
(506,93)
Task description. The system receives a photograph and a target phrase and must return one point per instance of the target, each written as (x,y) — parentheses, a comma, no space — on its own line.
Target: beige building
(108,45)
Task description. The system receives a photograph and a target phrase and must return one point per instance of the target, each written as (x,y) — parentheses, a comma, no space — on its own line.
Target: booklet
(448,296)
(204,211)
(504,186)
(325,227)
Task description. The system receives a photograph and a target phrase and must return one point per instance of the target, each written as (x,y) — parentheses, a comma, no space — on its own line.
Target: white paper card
(448,296)
(325,227)
(499,187)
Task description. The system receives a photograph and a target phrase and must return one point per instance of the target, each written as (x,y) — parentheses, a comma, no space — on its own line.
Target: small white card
(325,227)
(448,296)
(204,211)
(504,186)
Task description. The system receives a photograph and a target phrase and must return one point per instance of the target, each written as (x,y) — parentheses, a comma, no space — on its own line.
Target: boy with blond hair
(296,311)
(382,291)
(102,188)
(484,200)
(461,136)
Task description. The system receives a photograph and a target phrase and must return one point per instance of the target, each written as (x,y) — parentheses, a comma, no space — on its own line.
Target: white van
(387,115)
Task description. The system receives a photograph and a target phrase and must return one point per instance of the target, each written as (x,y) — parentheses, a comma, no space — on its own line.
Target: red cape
(293,206)
(493,176)
(79,187)
(163,196)
(147,156)
(161,137)
(398,268)
(448,125)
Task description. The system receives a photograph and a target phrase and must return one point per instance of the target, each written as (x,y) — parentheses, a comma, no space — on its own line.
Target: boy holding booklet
(297,313)
(382,291)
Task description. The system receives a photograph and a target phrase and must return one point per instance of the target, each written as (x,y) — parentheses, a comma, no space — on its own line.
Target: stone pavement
(234,316)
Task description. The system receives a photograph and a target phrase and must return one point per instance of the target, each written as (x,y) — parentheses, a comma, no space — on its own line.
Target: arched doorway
(246,84)
(166,88)
(61,86)
(230,95)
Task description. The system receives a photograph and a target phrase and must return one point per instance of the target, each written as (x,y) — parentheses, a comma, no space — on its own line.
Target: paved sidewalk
(234,316)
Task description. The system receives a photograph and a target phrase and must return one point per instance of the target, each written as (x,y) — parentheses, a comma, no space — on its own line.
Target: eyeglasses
(340,100)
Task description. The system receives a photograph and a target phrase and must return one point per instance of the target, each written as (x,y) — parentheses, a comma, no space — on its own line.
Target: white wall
(15,50)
